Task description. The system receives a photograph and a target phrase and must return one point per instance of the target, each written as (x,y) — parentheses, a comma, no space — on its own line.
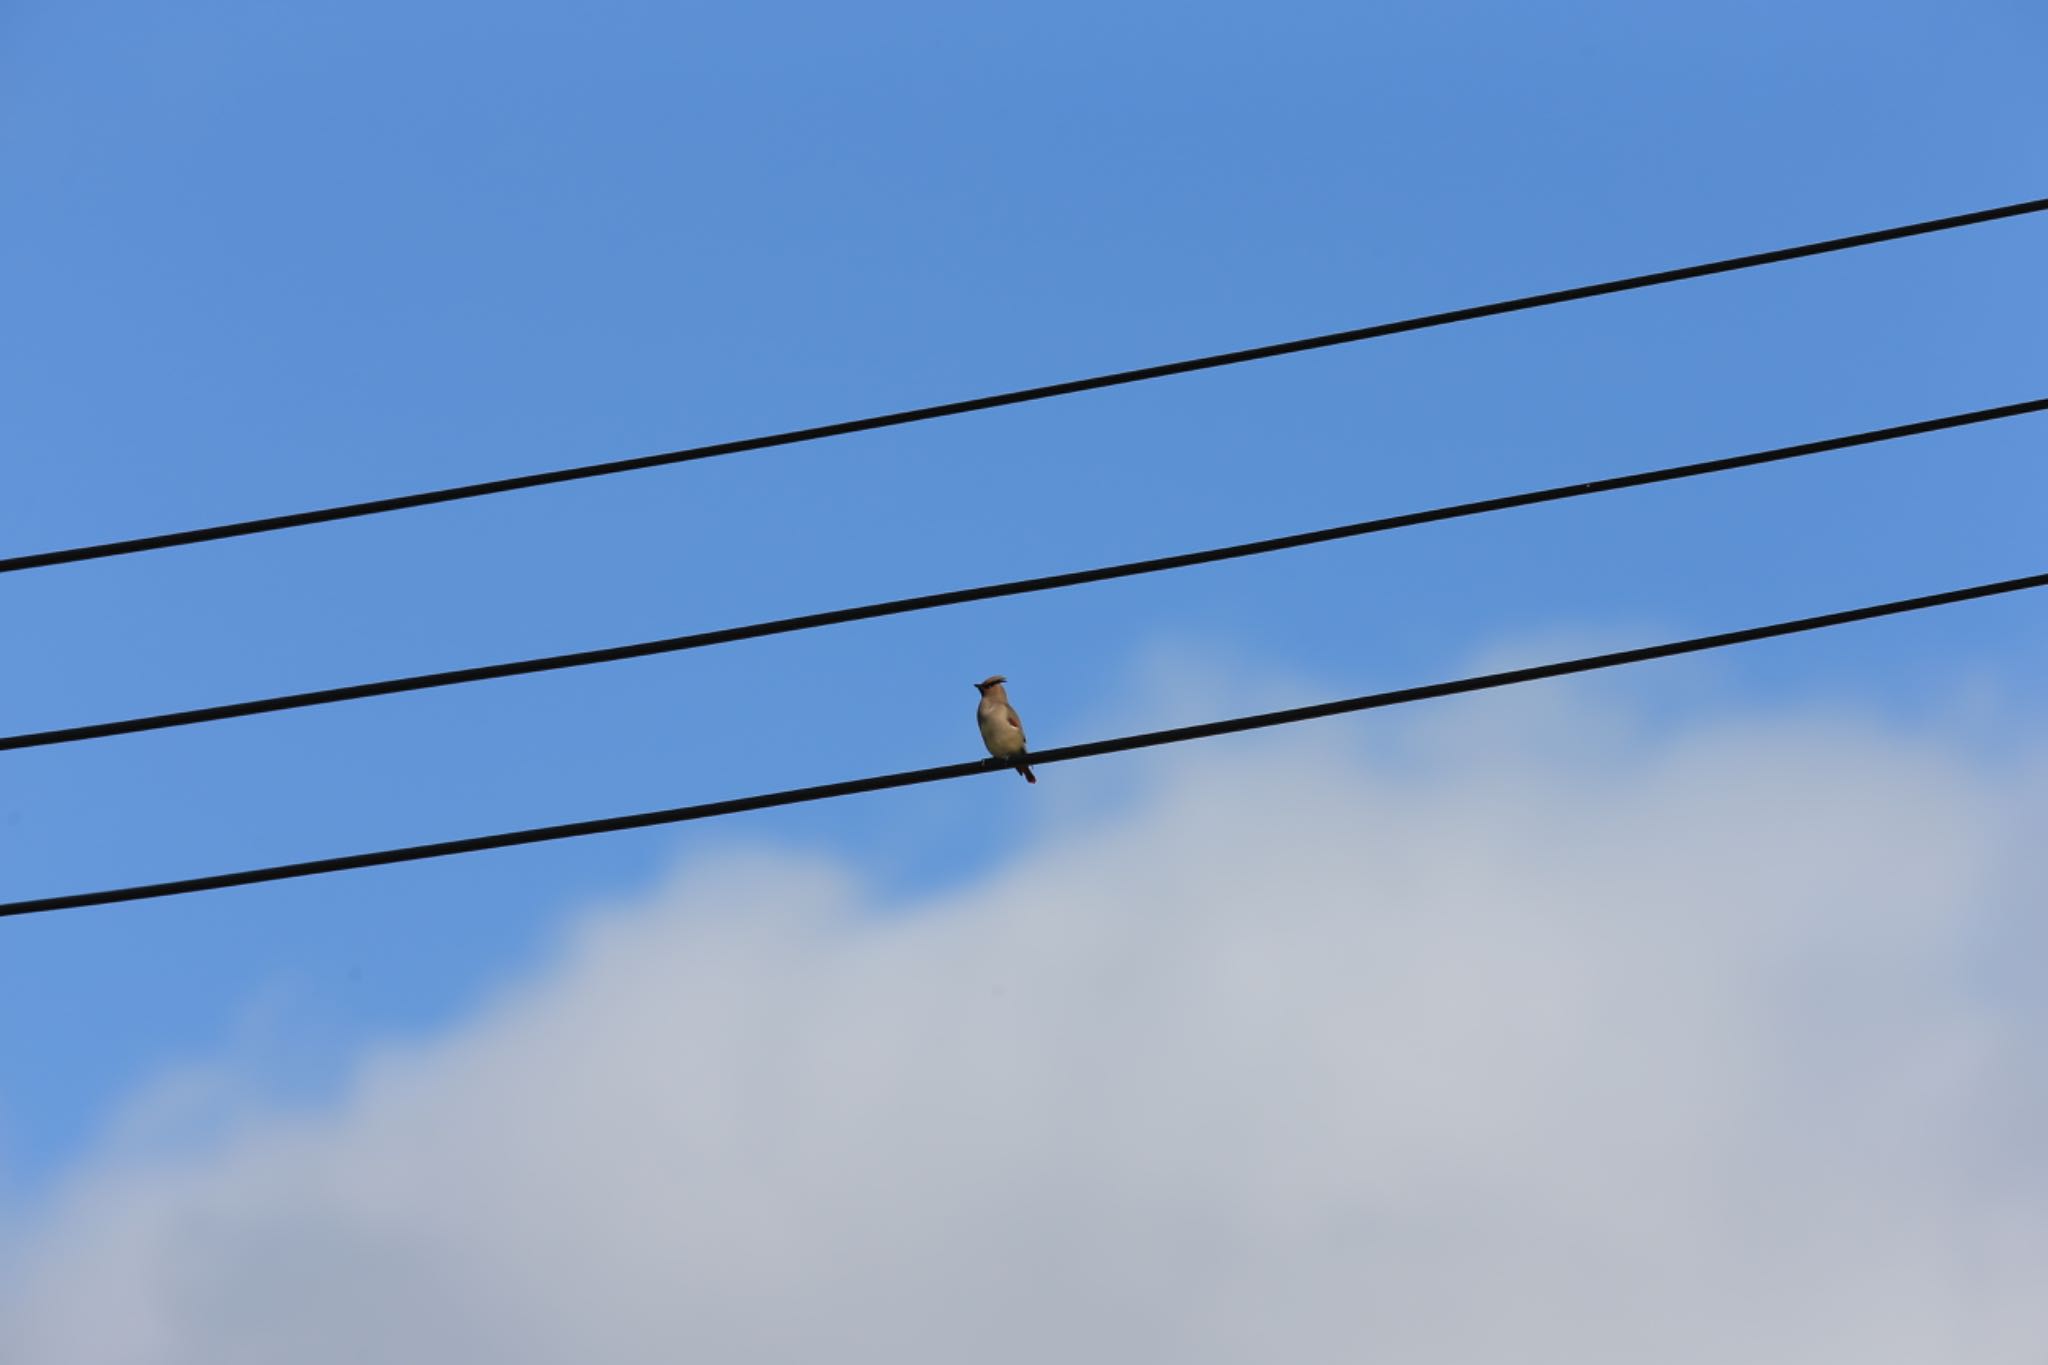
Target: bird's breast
(1003,739)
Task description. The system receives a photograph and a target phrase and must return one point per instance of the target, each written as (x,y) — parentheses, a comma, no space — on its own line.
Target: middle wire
(420,682)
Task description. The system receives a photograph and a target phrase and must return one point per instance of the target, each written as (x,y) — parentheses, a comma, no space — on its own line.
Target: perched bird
(1000,728)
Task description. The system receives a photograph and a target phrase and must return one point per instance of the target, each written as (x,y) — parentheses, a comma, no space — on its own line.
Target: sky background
(258,258)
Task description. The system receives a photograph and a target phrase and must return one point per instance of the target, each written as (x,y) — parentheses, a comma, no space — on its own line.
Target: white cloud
(1577,1050)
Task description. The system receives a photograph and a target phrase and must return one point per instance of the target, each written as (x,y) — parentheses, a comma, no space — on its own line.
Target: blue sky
(265,257)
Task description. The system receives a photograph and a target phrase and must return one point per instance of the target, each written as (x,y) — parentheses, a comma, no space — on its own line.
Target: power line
(917,777)
(1016,587)
(458,492)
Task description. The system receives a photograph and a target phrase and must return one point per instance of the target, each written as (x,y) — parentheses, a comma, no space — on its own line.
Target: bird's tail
(1025,768)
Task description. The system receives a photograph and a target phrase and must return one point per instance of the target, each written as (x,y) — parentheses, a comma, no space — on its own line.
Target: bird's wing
(1010,715)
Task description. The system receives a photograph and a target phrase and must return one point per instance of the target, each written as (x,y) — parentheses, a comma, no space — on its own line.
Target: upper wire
(487,487)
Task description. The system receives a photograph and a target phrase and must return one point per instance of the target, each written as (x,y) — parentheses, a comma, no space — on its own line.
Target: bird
(1001,731)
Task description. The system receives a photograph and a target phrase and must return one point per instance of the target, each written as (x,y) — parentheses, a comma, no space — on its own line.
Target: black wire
(374,506)
(840,615)
(916,777)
